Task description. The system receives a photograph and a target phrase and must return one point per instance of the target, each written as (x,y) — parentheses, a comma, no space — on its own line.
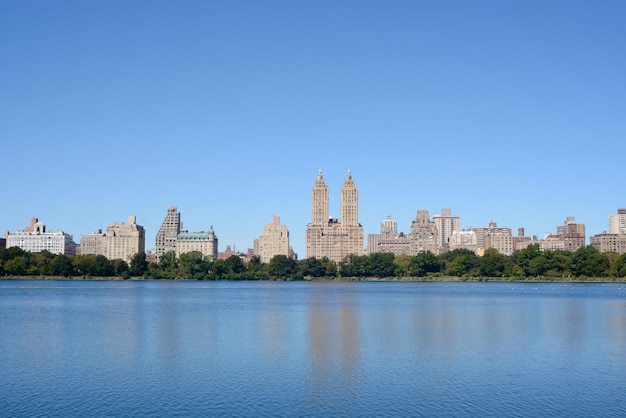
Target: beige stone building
(423,234)
(274,241)
(331,237)
(92,244)
(120,241)
(389,240)
(463,239)
(202,242)
(485,233)
(123,241)
(609,243)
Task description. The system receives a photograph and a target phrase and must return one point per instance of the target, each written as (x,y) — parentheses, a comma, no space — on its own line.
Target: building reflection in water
(334,343)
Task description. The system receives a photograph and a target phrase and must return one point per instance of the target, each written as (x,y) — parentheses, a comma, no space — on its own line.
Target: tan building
(446,224)
(121,241)
(463,239)
(572,234)
(389,240)
(274,241)
(34,239)
(167,236)
(505,244)
(483,235)
(331,237)
(423,234)
(202,242)
(609,243)
(92,244)
(617,222)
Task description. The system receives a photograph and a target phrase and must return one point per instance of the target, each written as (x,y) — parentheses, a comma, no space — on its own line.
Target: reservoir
(250,349)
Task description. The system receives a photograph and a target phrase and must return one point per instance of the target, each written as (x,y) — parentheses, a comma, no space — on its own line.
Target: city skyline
(153,245)
(508,112)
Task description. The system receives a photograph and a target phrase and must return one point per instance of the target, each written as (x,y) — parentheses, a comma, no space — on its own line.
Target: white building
(34,239)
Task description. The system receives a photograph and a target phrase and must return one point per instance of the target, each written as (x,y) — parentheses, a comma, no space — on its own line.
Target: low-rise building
(202,242)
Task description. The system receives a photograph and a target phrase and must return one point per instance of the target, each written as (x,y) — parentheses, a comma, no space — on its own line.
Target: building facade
(167,236)
(572,234)
(609,243)
(34,239)
(423,234)
(331,237)
(202,242)
(274,241)
(445,224)
(617,222)
(484,235)
(120,241)
(463,240)
(389,240)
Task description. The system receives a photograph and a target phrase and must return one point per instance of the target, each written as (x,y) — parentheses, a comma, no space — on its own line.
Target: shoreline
(344,279)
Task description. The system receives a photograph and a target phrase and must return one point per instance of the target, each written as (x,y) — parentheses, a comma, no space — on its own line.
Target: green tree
(192,265)
(282,267)
(492,263)
(235,266)
(423,263)
(381,265)
(588,261)
(120,268)
(62,266)
(138,264)
(311,267)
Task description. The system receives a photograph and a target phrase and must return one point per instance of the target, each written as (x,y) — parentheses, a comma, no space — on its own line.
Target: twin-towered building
(326,236)
(331,237)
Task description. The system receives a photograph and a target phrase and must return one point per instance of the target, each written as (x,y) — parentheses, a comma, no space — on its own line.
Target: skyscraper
(331,237)
(168,233)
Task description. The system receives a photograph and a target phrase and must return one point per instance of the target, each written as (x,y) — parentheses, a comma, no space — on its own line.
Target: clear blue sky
(511,111)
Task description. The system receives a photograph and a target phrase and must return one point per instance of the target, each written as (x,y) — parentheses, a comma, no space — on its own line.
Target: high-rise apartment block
(167,236)
(423,234)
(274,241)
(617,222)
(34,238)
(572,234)
(446,224)
(331,237)
(121,241)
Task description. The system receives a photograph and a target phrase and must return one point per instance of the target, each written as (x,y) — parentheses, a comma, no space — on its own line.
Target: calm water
(311,349)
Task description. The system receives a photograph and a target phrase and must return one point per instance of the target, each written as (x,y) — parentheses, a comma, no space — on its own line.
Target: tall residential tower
(331,237)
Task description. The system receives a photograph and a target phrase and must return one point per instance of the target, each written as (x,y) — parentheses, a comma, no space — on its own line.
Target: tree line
(529,263)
